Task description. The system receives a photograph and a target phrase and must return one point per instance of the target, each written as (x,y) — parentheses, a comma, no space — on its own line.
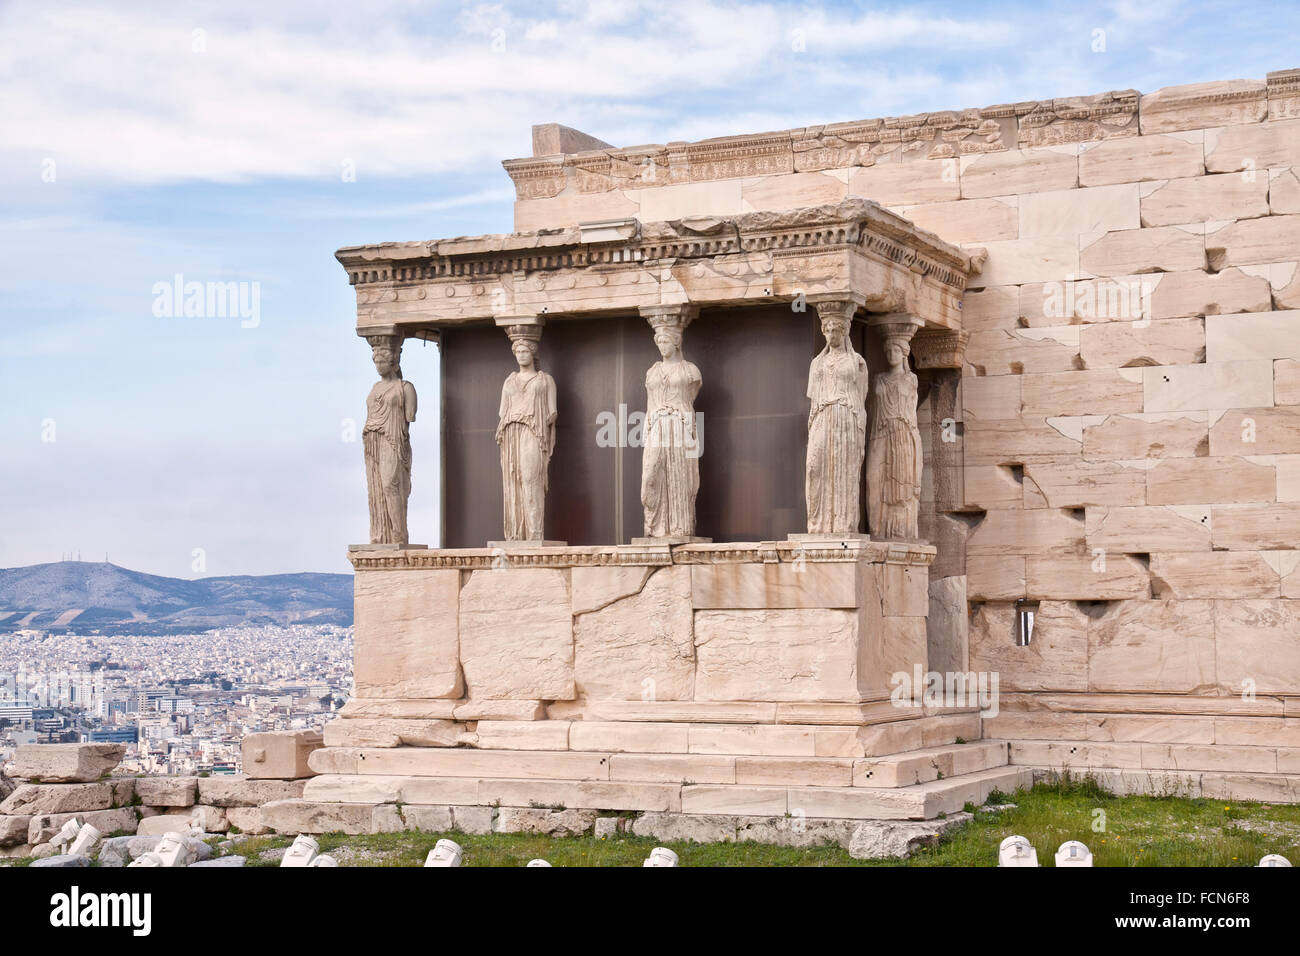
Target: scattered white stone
(1017,851)
(148,859)
(445,853)
(63,839)
(87,839)
(538,863)
(661,856)
(1073,853)
(606,827)
(175,850)
(304,850)
(63,859)
(223,861)
(1274,859)
(324,860)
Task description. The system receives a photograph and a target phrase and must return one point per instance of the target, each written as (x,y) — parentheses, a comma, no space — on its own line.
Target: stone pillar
(939,354)
(894,458)
(670,460)
(526,437)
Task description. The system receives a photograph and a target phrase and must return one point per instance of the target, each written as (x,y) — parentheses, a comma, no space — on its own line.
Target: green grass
(1139,831)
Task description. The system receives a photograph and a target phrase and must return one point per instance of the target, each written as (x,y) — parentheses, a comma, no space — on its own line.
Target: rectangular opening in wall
(1026,615)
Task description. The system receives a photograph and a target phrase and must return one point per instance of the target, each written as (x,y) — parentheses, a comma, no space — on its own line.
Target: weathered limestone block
(899,839)
(1088,301)
(516,634)
(1255,731)
(903,590)
(970,220)
(1203,105)
(280,755)
(1259,335)
(303,816)
(1037,531)
(1037,259)
(1229,196)
(1156,646)
(405,634)
(1100,391)
(1075,211)
(779,654)
(43,826)
(1209,293)
(1015,441)
(521,735)
(584,795)
(894,184)
(598,587)
(1213,385)
(237,791)
(628,736)
(794,831)
(1069,577)
(1256,643)
(13,830)
(1283,191)
(1019,172)
(640,644)
(1182,434)
(1139,159)
(1124,344)
(31,798)
(1138,251)
(1056,658)
(1256,431)
(1271,239)
(1075,755)
(1213,574)
(1015,351)
(167,791)
(555,823)
(165,823)
(501,710)
(391,732)
(1168,730)
(66,763)
(990,487)
(990,398)
(774,585)
(1074,483)
(1286,382)
(1142,530)
(995,577)
(994,308)
(1246,148)
(671,768)
(1178,481)
(687,828)
(1259,527)
(426,709)
(793,191)
(1035,725)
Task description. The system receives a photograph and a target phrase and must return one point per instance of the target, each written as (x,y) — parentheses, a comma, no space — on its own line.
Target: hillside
(82,596)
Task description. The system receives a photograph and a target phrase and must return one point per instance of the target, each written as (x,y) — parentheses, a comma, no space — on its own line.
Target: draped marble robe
(386,440)
(894,462)
(670,463)
(526,434)
(837,424)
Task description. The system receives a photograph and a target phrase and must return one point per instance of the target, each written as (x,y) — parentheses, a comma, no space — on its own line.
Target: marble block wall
(1130,401)
(704,623)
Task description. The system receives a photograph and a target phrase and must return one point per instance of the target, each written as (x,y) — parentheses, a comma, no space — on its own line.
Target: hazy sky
(214,141)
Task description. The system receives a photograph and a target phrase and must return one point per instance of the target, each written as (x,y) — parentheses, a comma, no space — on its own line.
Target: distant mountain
(81,596)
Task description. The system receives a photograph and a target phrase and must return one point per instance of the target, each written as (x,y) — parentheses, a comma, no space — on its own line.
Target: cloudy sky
(245,142)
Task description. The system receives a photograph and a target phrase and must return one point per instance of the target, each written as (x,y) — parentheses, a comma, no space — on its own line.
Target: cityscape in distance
(178,670)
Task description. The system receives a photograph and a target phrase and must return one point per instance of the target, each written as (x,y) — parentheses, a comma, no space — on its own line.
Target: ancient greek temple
(843,473)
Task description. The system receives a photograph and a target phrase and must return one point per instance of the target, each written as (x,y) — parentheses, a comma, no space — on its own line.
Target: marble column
(670,459)
(894,459)
(837,425)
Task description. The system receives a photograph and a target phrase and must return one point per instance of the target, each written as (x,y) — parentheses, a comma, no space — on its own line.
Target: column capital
(838,304)
(675,316)
(939,348)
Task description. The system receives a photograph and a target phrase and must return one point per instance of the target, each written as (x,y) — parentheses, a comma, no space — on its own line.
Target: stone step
(932,763)
(1079,755)
(918,802)
(1214,785)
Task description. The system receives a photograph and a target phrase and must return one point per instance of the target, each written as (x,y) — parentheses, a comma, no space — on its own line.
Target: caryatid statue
(894,461)
(390,408)
(526,434)
(837,425)
(670,463)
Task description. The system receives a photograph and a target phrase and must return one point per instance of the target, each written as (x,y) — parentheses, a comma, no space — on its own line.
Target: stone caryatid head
(171,850)
(524,341)
(897,346)
(661,856)
(445,853)
(669,323)
(386,352)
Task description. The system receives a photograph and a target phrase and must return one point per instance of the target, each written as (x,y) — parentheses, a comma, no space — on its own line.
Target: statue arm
(551,413)
(501,411)
(408,400)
